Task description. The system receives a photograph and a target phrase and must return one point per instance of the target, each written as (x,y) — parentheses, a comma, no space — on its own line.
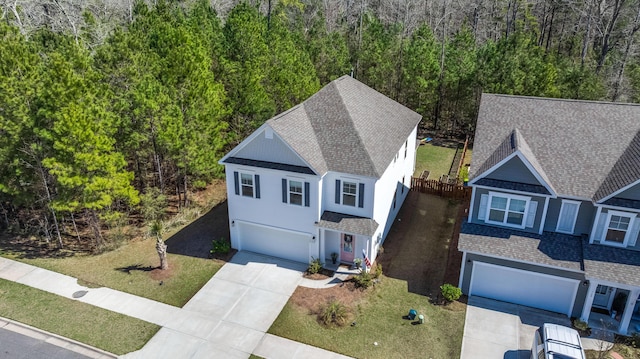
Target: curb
(55,339)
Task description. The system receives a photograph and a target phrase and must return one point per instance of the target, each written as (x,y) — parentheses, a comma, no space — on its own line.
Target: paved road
(18,346)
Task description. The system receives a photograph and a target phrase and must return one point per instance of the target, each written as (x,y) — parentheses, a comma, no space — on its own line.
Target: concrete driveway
(229,316)
(499,330)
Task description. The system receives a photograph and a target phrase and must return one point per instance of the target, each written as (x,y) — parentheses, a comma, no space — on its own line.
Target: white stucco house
(327,176)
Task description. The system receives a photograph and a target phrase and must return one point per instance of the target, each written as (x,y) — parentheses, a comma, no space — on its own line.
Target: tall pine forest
(109,106)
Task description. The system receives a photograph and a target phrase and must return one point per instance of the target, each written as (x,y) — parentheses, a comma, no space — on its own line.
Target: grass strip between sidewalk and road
(113,332)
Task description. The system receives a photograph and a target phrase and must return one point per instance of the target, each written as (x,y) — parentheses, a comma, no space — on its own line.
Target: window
(295,192)
(247,184)
(406,143)
(394,199)
(349,193)
(567,217)
(617,227)
(507,209)
(402,187)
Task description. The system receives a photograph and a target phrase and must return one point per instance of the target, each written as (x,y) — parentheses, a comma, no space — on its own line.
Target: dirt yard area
(417,247)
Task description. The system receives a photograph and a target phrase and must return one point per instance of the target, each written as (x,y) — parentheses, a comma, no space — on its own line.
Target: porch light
(233,223)
(585,283)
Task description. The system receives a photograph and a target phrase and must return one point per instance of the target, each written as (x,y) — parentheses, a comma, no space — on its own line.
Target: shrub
(377,271)
(450,292)
(363,280)
(314,266)
(220,246)
(334,314)
(580,325)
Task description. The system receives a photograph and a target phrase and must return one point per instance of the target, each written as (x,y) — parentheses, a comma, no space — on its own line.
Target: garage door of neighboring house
(274,242)
(556,294)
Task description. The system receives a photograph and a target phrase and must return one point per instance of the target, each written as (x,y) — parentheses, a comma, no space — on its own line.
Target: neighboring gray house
(327,176)
(554,219)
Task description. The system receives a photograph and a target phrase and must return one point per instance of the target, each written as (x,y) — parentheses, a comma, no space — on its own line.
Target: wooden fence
(442,189)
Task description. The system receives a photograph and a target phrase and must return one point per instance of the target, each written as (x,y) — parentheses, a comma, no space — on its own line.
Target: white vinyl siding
(507,210)
(568,216)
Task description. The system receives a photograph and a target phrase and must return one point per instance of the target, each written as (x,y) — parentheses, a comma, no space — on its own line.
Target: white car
(554,341)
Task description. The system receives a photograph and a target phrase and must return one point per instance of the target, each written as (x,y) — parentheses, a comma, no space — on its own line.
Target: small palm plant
(157,229)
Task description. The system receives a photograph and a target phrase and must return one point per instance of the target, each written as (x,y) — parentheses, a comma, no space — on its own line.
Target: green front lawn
(129,269)
(113,332)
(379,319)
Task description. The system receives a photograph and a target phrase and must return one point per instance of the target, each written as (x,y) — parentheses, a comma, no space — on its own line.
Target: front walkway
(227,318)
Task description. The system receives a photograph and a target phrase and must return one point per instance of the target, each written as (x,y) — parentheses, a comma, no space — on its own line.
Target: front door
(347,248)
(602,297)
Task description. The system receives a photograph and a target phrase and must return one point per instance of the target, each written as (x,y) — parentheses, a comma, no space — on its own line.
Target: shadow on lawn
(136,267)
(195,239)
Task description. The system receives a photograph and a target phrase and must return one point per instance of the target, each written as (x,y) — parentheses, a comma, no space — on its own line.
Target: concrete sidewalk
(227,318)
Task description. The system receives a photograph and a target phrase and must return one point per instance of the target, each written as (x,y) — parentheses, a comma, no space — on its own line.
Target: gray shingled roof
(613,264)
(347,127)
(617,265)
(554,249)
(348,223)
(582,148)
(515,186)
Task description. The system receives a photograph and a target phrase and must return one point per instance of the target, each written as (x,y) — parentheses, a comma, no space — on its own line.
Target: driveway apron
(229,316)
(499,330)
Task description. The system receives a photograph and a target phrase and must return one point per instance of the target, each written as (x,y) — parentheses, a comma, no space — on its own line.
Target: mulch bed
(323,274)
(314,299)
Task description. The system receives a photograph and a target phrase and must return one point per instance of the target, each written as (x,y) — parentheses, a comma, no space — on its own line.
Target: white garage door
(274,242)
(536,290)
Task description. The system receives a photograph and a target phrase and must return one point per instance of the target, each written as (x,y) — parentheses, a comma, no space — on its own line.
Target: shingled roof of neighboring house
(553,249)
(602,262)
(346,127)
(581,148)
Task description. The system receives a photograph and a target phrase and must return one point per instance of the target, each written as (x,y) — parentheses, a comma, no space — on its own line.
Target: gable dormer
(513,166)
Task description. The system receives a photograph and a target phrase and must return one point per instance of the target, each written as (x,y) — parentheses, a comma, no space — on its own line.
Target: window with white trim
(618,227)
(507,210)
(295,192)
(349,193)
(568,216)
(246,184)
